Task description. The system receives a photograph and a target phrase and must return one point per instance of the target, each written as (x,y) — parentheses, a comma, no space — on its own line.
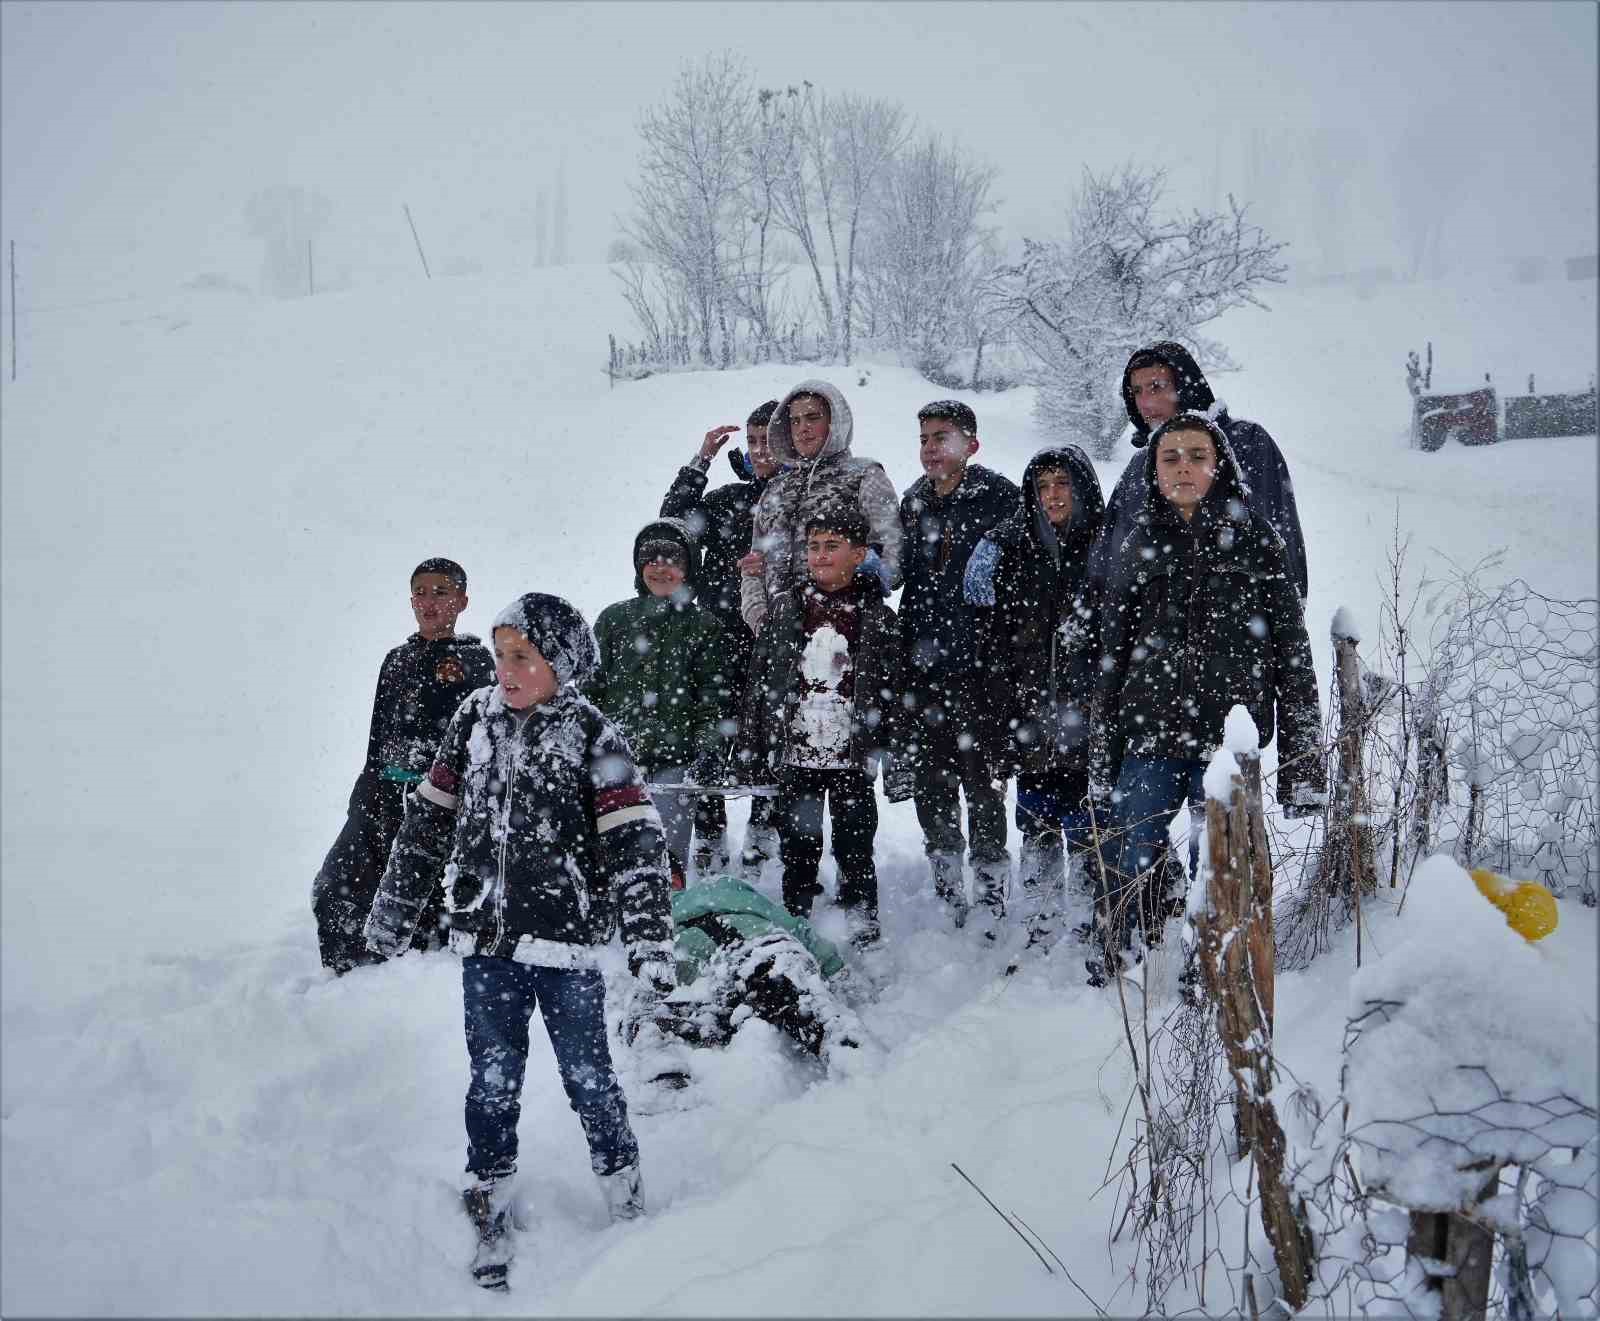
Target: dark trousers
(342,894)
(944,770)
(797,813)
(1149,792)
(498,1000)
(1051,803)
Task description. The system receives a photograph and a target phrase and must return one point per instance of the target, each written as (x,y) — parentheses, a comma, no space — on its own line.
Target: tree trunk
(1236,960)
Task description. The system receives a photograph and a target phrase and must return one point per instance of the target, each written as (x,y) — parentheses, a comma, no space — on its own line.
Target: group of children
(533,816)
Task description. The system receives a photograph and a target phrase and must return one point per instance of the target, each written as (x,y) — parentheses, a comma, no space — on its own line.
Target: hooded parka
(1204,617)
(1261,466)
(662,673)
(834,477)
(1040,640)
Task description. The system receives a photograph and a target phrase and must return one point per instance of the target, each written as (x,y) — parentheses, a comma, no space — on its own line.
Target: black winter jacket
(420,685)
(543,829)
(774,689)
(721,521)
(938,628)
(1204,616)
(1261,468)
(1039,644)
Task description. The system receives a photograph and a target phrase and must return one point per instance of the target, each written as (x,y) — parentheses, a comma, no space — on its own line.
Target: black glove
(899,779)
(653,966)
(389,926)
(710,768)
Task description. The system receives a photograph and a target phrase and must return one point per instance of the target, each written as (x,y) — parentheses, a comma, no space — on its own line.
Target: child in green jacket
(661,676)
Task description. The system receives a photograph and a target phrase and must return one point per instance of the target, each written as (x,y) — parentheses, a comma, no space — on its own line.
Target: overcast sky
(134,133)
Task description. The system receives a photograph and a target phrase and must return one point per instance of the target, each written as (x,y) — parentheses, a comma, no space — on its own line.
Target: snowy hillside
(211,504)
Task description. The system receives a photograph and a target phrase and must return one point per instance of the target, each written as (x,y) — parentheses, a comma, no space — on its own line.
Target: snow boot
(624,1193)
(990,880)
(950,885)
(760,847)
(488,1204)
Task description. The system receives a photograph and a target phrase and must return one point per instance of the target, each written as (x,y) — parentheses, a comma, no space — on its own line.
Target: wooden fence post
(1236,960)
(1455,1251)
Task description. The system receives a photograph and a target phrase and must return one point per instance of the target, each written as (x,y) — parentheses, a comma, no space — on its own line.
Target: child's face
(945,449)
(662,577)
(437,603)
(831,560)
(1055,495)
(526,678)
(1186,465)
(1155,393)
(808,425)
(755,439)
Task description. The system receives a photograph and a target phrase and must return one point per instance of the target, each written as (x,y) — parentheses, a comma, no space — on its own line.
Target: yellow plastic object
(1530,909)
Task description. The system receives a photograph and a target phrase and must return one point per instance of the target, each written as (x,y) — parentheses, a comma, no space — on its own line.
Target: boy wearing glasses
(420,685)
(662,677)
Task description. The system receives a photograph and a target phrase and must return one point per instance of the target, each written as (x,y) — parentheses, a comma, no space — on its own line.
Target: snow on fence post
(1456,1249)
(1236,960)
(1348,864)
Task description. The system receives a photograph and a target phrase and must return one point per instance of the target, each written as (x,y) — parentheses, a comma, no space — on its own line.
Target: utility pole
(311,271)
(13,309)
(420,253)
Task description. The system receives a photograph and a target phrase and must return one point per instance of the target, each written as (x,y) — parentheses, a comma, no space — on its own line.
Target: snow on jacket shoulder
(1199,617)
(833,477)
(543,830)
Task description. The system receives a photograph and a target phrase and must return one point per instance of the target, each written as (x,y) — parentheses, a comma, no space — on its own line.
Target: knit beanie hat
(560,633)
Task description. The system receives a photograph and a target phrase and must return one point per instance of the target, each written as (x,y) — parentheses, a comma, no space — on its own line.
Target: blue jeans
(499,998)
(1149,792)
(1052,801)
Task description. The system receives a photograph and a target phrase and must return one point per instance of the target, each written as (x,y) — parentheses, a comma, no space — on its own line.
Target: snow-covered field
(211,505)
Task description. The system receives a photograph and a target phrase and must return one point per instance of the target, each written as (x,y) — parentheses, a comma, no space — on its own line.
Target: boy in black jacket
(816,716)
(1201,615)
(420,685)
(721,522)
(539,820)
(943,515)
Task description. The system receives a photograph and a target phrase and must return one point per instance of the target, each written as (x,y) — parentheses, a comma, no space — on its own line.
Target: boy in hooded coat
(1261,463)
(538,818)
(819,472)
(420,684)
(661,675)
(1203,616)
(944,514)
(721,521)
(1039,647)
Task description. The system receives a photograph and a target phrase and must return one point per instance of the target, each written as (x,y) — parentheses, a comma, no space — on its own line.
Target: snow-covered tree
(690,195)
(1124,276)
(928,253)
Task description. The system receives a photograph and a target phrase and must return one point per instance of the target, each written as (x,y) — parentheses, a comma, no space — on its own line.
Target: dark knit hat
(561,634)
(448,568)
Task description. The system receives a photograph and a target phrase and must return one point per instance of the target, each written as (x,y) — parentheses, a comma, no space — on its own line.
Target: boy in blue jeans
(539,819)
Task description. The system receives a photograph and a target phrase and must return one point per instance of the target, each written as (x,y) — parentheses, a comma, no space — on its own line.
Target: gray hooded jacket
(809,486)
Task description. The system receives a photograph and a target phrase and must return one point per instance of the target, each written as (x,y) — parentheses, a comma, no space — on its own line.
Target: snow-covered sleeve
(753,588)
(686,494)
(380,698)
(1117,615)
(631,847)
(1299,711)
(422,846)
(880,505)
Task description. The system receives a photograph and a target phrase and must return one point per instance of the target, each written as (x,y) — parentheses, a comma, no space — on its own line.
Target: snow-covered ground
(211,504)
